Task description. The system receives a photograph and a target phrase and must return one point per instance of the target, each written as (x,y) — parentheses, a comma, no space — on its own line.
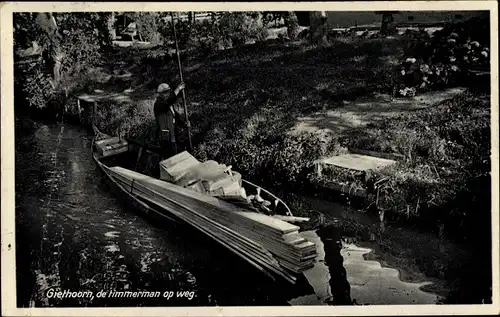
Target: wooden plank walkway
(357,162)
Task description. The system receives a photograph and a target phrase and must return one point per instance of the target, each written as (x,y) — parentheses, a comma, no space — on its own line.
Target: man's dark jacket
(166,115)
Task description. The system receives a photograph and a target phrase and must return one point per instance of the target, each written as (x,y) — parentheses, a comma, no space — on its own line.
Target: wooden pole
(182,80)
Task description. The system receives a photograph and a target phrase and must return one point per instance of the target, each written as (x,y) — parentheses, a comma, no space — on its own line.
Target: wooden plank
(277,224)
(174,160)
(389,156)
(201,171)
(214,232)
(259,228)
(111,146)
(136,187)
(357,162)
(281,250)
(108,141)
(251,218)
(291,219)
(161,200)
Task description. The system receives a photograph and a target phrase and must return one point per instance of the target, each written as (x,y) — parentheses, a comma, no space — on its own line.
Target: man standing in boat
(166,118)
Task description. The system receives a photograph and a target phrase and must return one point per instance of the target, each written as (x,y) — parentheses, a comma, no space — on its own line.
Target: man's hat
(163,87)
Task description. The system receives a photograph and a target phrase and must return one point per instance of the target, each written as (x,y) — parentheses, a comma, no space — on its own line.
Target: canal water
(73,234)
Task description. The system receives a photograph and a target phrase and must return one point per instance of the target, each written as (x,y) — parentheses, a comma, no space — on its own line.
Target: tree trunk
(57,57)
(53,57)
(111,26)
(304,18)
(292,25)
(387,23)
(191,17)
(319,27)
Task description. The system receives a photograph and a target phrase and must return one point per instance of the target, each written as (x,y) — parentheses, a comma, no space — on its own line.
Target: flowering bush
(443,59)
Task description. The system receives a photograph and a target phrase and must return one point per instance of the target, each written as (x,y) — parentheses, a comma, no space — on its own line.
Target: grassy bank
(445,157)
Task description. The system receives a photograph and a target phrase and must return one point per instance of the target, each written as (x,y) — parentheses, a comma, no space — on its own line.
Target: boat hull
(146,208)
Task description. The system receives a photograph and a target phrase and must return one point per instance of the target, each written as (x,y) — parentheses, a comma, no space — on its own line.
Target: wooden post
(94,112)
(182,80)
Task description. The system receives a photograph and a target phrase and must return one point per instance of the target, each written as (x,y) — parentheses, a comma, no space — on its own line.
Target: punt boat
(245,218)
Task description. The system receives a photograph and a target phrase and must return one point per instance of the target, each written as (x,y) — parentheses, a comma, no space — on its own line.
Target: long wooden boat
(272,252)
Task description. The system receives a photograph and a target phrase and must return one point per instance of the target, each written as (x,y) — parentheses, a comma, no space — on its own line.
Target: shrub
(446,149)
(265,157)
(127,119)
(293,162)
(230,29)
(148,24)
(37,88)
(444,59)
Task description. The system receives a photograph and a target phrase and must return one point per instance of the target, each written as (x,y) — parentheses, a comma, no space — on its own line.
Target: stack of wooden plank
(272,243)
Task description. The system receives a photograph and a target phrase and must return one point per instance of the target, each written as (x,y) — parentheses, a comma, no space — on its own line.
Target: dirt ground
(368,110)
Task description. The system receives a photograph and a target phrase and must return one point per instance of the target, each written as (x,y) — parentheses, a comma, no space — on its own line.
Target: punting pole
(182,80)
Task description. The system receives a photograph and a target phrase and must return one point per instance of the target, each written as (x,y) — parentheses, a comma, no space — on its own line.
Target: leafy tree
(71,43)
(148,26)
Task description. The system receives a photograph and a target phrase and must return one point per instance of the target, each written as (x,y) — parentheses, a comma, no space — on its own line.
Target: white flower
(484,53)
(411,60)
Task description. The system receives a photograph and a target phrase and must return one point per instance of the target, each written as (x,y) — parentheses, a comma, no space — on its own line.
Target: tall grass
(444,149)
